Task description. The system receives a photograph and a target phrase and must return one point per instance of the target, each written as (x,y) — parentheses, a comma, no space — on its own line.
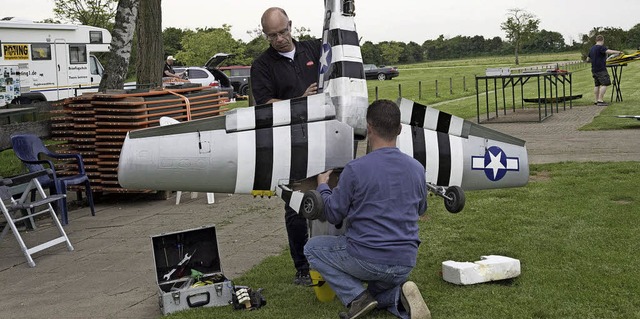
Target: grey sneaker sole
(365,310)
(413,302)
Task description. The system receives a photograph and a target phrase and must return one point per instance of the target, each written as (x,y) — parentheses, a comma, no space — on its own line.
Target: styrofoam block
(489,268)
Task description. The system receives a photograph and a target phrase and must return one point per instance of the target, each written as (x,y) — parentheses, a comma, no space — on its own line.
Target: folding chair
(13,186)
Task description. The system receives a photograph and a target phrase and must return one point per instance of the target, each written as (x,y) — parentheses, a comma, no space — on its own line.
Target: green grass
(573,227)
(10,165)
(577,242)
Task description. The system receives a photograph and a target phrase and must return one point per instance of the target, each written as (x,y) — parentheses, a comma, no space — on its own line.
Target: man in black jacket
(287,69)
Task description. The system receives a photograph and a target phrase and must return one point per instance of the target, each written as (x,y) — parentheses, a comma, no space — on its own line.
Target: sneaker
(302,278)
(360,306)
(413,302)
(601,103)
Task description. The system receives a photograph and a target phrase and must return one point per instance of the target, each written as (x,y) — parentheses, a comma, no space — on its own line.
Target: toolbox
(188,270)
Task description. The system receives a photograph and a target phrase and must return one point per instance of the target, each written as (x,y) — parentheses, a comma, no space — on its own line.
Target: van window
(77,54)
(40,51)
(95,36)
(94,66)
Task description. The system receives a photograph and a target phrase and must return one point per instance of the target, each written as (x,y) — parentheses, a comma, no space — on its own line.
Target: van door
(96,69)
(62,68)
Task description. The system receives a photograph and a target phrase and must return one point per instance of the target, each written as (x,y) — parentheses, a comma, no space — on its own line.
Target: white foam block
(489,268)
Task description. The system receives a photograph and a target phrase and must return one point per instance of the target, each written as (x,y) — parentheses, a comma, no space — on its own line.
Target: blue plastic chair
(28,149)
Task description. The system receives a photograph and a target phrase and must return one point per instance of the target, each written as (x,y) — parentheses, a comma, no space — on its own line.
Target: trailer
(47,61)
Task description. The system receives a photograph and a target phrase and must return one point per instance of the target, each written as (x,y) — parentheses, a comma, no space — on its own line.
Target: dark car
(371,71)
(239,76)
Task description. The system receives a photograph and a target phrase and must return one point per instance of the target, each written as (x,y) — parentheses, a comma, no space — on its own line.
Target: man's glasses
(274,36)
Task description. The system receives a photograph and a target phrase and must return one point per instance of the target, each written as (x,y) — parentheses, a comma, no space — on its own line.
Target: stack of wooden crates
(95,125)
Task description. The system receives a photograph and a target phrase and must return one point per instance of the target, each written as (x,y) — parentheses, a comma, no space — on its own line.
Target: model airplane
(623,58)
(279,148)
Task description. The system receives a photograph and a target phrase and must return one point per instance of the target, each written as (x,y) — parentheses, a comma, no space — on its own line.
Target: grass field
(573,227)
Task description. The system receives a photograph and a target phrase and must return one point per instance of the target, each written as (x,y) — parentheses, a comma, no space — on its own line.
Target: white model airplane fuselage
(264,149)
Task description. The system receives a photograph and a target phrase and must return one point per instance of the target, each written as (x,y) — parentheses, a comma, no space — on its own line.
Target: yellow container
(324,293)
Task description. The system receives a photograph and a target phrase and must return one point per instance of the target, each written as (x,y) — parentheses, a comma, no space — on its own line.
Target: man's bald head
(277,29)
(272,14)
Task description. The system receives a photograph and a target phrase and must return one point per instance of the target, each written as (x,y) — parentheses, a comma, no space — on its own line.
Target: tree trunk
(116,68)
(517,59)
(150,60)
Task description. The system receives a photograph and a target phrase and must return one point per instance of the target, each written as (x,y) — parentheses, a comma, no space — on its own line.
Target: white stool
(194,195)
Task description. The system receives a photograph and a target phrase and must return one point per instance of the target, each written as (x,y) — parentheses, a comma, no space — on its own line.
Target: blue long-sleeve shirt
(379,197)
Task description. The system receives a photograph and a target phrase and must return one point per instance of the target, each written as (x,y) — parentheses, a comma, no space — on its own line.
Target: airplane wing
(457,152)
(247,151)
(622,58)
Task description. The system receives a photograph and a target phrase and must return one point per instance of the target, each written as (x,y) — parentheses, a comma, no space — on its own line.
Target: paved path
(111,273)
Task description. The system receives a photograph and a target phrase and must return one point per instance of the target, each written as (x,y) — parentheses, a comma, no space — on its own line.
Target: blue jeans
(345,273)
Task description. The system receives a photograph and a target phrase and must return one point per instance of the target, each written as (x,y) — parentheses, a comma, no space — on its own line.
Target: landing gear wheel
(312,206)
(456,202)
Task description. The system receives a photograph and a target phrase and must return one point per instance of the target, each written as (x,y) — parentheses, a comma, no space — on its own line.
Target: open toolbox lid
(169,249)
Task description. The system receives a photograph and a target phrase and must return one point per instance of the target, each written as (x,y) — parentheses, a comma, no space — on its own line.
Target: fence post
(464,84)
(451,86)
(399,90)
(419,90)
(376,93)
(436,88)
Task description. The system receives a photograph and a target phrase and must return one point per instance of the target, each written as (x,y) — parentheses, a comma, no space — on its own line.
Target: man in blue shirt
(598,58)
(379,199)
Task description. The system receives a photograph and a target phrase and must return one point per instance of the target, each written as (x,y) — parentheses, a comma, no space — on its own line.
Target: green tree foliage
(519,27)
(254,48)
(633,37)
(462,47)
(544,41)
(97,13)
(302,34)
(198,47)
(370,53)
(172,38)
(390,51)
(411,53)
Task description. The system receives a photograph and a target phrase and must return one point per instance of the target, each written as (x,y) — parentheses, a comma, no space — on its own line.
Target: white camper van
(45,61)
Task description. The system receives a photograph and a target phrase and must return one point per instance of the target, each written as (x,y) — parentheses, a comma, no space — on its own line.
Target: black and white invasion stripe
(419,115)
(269,156)
(295,111)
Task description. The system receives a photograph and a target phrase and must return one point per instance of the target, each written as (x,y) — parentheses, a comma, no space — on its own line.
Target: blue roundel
(495,163)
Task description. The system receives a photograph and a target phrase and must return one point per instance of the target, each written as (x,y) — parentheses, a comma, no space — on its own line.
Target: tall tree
(519,26)
(198,47)
(120,52)
(633,38)
(97,13)
(150,50)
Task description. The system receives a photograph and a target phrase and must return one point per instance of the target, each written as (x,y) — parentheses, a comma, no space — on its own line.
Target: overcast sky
(384,20)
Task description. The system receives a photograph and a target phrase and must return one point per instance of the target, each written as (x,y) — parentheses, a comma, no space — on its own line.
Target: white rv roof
(20,23)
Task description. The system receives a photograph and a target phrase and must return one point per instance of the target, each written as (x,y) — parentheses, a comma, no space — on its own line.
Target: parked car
(200,75)
(371,71)
(212,66)
(239,76)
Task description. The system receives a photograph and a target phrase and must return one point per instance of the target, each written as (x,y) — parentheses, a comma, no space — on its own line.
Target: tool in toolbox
(184,261)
